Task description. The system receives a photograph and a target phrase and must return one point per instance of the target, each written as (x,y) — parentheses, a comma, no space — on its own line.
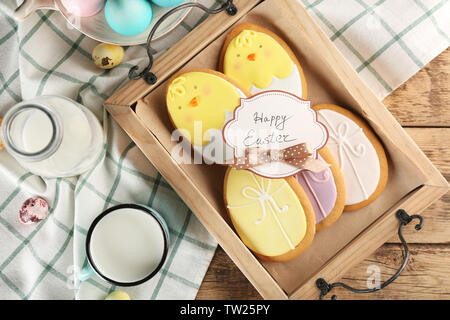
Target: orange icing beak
(194,102)
(251,57)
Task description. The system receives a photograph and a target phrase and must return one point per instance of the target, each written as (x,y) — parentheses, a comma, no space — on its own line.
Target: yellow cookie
(325,190)
(260,61)
(199,103)
(273,217)
(359,153)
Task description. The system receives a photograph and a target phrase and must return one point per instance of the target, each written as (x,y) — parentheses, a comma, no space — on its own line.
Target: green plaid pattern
(386,41)
(40,261)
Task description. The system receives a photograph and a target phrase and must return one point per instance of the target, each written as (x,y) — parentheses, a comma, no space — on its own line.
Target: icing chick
(200,97)
(260,62)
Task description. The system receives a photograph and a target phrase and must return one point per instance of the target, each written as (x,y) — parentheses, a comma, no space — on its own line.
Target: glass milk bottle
(52,136)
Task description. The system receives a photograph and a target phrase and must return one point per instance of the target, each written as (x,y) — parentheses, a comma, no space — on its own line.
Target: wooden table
(422,106)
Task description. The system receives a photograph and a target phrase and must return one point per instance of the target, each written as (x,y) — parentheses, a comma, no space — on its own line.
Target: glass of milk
(126,245)
(53,136)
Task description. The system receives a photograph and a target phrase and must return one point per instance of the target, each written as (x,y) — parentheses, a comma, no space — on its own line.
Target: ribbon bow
(298,155)
(342,138)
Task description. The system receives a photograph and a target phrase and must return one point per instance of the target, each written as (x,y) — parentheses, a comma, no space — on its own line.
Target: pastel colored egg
(167,3)
(83,8)
(107,56)
(118,295)
(128,17)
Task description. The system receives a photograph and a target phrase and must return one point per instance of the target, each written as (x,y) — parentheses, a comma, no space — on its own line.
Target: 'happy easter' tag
(275,134)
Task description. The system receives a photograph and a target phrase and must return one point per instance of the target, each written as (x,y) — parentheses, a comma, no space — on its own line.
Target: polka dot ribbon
(298,155)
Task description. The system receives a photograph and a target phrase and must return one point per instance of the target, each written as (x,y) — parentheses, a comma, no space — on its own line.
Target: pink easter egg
(83,8)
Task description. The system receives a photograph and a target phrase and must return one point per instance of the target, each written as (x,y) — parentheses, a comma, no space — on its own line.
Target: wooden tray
(414,183)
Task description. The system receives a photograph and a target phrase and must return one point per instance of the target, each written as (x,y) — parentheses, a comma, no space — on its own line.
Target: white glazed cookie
(359,153)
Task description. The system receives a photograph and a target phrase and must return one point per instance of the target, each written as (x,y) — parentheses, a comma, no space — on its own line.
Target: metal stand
(149,76)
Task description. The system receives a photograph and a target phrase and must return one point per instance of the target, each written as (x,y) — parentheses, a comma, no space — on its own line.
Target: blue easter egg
(167,3)
(128,17)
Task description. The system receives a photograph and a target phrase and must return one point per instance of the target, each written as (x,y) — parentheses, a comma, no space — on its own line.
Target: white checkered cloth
(387,41)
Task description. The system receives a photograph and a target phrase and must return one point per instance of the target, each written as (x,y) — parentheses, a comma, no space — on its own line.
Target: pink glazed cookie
(325,190)
(83,8)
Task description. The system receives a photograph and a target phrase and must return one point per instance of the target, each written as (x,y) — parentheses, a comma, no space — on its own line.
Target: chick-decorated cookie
(260,61)
(199,103)
(273,217)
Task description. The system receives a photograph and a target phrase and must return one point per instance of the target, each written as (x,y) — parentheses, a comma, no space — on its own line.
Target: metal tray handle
(149,76)
(405,219)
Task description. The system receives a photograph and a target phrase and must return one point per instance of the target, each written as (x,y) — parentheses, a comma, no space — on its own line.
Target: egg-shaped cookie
(273,217)
(359,153)
(260,60)
(325,190)
(199,103)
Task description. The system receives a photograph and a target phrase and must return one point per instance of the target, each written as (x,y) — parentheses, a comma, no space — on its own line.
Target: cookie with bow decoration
(200,102)
(358,152)
(325,190)
(260,60)
(273,217)
(322,182)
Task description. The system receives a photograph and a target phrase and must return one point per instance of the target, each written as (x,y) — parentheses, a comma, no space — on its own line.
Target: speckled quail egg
(107,56)
(33,210)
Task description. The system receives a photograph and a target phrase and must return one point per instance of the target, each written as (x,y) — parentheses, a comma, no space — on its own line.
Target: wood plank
(436,145)
(225,281)
(367,241)
(424,99)
(425,277)
(436,228)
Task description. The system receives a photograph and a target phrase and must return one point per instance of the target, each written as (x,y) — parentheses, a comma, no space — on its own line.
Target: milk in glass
(127,245)
(53,136)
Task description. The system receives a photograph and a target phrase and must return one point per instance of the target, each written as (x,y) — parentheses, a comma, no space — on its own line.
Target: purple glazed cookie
(325,190)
